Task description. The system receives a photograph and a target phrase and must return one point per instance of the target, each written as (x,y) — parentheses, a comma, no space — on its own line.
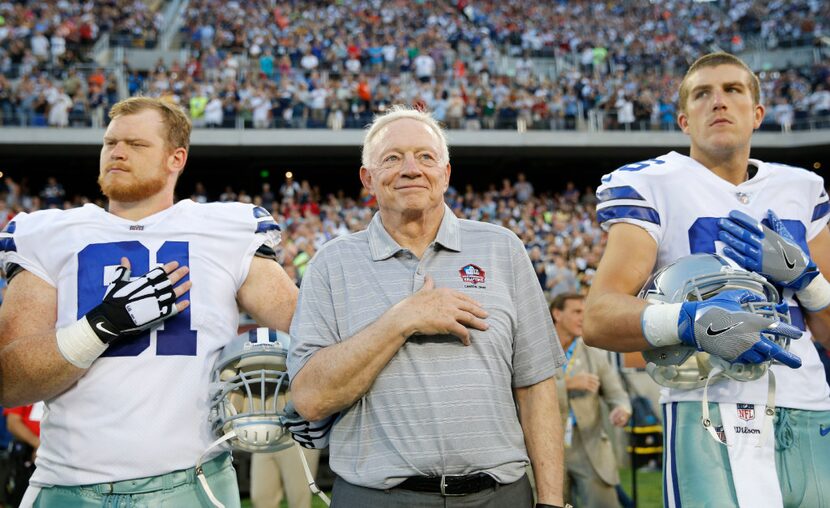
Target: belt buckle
(444,485)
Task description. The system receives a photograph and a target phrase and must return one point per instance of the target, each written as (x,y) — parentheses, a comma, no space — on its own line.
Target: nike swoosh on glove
(769,251)
(722,328)
(308,434)
(132,306)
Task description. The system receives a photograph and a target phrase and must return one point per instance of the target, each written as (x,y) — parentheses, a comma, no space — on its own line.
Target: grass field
(649,487)
(649,490)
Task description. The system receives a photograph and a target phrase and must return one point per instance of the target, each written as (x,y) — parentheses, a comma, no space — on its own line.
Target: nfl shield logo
(472,274)
(721,434)
(746,412)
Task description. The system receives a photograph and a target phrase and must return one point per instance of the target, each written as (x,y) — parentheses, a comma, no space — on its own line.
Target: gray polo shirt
(438,407)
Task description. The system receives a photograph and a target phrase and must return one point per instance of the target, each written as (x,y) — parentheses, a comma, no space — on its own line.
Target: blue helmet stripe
(642,213)
(262,335)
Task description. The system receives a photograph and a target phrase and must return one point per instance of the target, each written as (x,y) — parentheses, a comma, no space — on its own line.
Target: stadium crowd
(309,64)
(43,34)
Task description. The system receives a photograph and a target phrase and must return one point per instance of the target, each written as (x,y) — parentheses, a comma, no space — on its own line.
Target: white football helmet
(695,278)
(249,385)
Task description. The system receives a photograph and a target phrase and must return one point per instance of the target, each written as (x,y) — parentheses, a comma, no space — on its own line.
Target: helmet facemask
(249,393)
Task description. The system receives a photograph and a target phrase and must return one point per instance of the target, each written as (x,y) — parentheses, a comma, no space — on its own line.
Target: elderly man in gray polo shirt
(431,336)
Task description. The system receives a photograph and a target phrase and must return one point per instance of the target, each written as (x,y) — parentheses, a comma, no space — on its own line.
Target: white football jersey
(142,407)
(679,201)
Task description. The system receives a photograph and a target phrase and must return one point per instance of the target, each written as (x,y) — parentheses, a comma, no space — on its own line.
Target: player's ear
(683,122)
(760,111)
(366,179)
(177,159)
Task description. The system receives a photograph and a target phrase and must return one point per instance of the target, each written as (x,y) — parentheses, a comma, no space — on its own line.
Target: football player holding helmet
(715,336)
(731,324)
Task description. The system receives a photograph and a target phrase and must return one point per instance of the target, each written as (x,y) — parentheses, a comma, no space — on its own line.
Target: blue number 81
(174,337)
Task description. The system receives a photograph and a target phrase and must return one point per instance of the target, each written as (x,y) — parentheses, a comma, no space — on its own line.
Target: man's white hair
(398,112)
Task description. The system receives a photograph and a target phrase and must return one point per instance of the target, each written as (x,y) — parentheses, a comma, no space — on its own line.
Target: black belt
(450,484)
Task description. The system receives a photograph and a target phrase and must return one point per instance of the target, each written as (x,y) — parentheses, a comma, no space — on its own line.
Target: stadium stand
(478,65)
(524,66)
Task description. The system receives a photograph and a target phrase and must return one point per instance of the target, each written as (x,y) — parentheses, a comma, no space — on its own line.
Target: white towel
(751,455)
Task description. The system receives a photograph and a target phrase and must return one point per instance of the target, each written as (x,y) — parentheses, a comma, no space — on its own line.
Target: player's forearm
(337,376)
(33,369)
(542,429)
(613,321)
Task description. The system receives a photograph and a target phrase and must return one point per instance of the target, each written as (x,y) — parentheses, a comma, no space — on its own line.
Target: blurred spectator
(53,193)
(523,188)
(228,196)
(289,188)
(200,193)
(267,197)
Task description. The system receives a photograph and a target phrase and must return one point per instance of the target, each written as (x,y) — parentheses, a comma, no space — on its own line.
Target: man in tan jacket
(588,378)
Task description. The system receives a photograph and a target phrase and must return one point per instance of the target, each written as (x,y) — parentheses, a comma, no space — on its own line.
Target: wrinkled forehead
(406,134)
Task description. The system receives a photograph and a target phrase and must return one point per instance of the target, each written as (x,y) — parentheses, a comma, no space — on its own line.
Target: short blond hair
(398,112)
(713,60)
(174,118)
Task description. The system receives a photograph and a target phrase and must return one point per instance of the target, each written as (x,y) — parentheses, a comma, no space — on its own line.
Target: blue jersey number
(174,337)
(634,166)
(704,232)
(637,166)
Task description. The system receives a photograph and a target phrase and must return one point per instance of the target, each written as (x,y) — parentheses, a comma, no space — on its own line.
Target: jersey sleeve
(241,229)
(626,196)
(21,243)
(267,228)
(820,205)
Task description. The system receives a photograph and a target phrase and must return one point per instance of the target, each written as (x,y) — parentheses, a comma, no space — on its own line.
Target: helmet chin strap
(200,473)
(769,411)
(716,372)
(312,485)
